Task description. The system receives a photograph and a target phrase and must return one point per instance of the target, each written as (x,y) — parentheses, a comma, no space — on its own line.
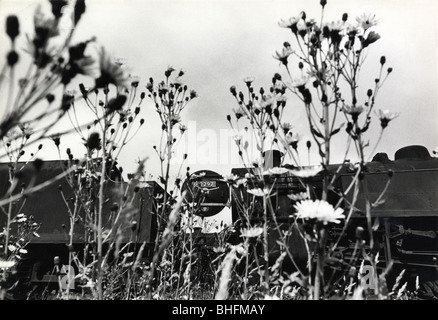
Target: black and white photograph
(221,156)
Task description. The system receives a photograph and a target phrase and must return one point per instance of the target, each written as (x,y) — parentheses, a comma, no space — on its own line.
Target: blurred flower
(239,112)
(292,139)
(292,22)
(26,129)
(306,172)
(385,116)
(182,128)
(93,141)
(283,55)
(174,119)
(335,26)
(258,192)
(299,82)
(266,101)
(298,196)
(111,72)
(286,126)
(251,232)
(6,264)
(234,180)
(371,38)
(367,21)
(248,80)
(354,111)
(276,171)
(45,27)
(320,210)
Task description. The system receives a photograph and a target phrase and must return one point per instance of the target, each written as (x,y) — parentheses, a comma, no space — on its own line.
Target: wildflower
(248,80)
(264,103)
(298,196)
(276,171)
(251,232)
(299,83)
(367,21)
(237,138)
(169,71)
(351,31)
(26,129)
(354,111)
(249,175)
(385,116)
(371,38)
(239,112)
(283,55)
(302,27)
(93,141)
(333,30)
(320,210)
(116,104)
(219,249)
(193,94)
(258,192)
(135,80)
(174,119)
(232,179)
(292,139)
(182,128)
(292,22)
(286,126)
(111,72)
(306,172)
(6,264)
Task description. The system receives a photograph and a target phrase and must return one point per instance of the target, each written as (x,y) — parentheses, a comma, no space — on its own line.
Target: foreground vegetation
(321,65)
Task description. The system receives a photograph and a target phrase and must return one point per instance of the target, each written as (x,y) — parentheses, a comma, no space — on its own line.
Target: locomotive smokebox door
(207,193)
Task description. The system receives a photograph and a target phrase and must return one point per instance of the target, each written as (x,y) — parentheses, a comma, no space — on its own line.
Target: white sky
(218,43)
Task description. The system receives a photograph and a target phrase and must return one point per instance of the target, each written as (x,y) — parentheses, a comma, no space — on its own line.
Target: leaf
(316,132)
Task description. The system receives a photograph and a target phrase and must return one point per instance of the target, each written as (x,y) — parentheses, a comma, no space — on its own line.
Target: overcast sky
(218,43)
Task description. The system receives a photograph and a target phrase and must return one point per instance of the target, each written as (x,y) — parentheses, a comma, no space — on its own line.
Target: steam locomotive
(407,219)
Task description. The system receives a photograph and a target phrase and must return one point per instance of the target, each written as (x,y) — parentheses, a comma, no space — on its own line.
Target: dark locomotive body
(407,219)
(47,208)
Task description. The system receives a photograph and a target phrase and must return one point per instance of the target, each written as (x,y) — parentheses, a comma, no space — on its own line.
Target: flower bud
(390,173)
(323,3)
(345,17)
(382,60)
(12,27)
(12,58)
(359,233)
